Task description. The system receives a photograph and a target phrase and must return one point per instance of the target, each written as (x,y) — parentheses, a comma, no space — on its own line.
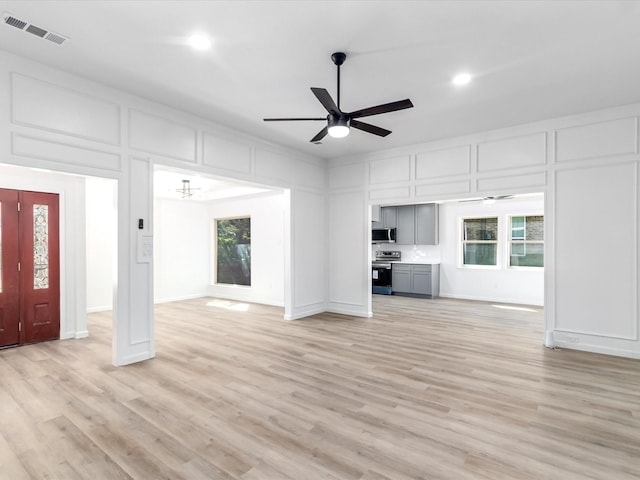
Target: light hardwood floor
(432,389)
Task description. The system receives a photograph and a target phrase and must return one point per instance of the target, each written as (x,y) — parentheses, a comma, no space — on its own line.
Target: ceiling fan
(339,122)
(186,189)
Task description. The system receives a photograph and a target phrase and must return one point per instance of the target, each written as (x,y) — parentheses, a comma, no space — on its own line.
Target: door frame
(70,189)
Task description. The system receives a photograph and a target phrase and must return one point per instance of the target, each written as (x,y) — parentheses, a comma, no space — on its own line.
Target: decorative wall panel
(345,176)
(390,193)
(512,183)
(616,137)
(309,174)
(390,170)
(43,105)
(348,234)
(309,279)
(161,136)
(435,189)
(141,273)
(60,152)
(596,251)
(272,165)
(226,154)
(515,152)
(443,163)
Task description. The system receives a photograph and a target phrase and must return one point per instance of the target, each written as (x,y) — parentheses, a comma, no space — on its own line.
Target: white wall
(101,240)
(267,214)
(587,167)
(182,249)
(502,284)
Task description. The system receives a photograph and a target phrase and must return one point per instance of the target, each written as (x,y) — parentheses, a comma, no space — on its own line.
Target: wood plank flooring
(428,389)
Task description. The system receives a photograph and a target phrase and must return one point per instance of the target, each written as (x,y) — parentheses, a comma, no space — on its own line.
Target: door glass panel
(40,246)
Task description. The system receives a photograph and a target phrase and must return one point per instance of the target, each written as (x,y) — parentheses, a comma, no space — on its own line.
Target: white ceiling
(531,60)
(169,184)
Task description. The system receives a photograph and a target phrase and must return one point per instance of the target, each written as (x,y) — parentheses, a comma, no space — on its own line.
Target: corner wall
(501,284)
(267,214)
(182,250)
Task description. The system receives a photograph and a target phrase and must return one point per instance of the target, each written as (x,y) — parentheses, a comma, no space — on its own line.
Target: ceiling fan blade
(378,109)
(291,119)
(320,135)
(326,100)
(366,127)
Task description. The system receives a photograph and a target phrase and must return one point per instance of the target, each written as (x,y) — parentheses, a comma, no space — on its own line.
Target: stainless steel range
(381,271)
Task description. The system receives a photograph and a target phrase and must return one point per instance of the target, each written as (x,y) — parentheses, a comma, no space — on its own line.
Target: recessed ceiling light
(199,41)
(462,79)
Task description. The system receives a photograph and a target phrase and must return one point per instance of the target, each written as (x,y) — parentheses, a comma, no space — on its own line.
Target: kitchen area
(405,253)
(416,250)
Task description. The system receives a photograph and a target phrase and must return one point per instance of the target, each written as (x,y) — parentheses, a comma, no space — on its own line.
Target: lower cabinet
(415,279)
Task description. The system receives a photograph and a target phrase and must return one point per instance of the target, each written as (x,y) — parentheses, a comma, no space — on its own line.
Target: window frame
(464,242)
(523,241)
(216,256)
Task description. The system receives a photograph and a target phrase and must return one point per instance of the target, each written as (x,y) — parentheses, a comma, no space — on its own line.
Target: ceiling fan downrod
(338,59)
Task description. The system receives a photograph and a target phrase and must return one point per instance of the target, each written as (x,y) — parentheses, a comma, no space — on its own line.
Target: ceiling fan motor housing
(338,58)
(338,120)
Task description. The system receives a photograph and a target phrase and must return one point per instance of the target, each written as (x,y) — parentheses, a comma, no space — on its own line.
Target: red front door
(9,289)
(30,267)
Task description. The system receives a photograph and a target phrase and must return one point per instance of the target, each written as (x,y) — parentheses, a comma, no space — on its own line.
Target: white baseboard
(491,299)
(179,298)
(105,308)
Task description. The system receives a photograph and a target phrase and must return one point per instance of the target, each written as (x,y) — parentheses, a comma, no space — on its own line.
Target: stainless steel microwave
(383,235)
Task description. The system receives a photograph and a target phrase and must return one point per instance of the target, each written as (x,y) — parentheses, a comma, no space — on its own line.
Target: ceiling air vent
(34,29)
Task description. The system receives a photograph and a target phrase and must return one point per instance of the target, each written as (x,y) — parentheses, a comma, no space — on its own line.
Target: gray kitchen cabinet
(400,278)
(415,279)
(375,214)
(417,224)
(388,218)
(426,229)
(421,279)
(406,229)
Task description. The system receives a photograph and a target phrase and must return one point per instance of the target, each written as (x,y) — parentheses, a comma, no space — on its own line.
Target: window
(526,242)
(233,251)
(480,241)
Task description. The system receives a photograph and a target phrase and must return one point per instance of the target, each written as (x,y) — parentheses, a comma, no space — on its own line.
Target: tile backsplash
(411,253)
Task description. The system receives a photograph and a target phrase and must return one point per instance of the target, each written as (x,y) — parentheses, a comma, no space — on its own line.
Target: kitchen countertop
(417,262)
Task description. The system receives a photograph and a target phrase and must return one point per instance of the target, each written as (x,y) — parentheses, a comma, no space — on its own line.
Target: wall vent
(33,29)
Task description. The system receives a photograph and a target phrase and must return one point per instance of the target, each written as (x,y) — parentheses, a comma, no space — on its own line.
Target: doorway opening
(185,237)
(511,274)
(76,273)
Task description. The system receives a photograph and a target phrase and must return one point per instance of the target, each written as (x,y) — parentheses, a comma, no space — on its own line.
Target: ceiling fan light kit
(339,123)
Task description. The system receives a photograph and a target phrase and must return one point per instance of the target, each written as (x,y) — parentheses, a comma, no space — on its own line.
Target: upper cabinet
(427,224)
(387,218)
(375,214)
(406,230)
(417,224)
(414,224)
